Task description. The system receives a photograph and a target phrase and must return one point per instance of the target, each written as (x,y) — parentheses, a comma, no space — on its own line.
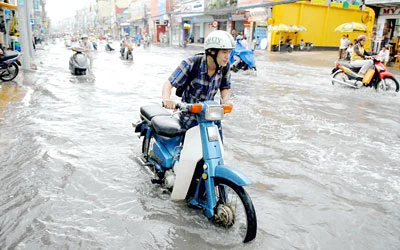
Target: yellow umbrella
(350,27)
(297,28)
(280,28)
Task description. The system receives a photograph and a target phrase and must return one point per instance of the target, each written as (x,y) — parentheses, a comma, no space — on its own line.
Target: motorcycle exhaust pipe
(345,83)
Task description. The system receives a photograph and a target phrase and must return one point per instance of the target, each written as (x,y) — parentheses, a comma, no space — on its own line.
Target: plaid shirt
(202,88)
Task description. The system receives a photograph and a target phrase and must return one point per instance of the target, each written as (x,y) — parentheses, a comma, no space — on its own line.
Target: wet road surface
(324,160)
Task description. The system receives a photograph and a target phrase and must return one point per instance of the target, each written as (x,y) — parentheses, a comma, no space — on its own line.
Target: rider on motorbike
(87,48)
(360,57)
(236,57)
(209,78)
(125,42)
(241,53)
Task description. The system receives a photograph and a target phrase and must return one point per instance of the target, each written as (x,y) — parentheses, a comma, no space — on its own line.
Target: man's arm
(225,95)
(166,95)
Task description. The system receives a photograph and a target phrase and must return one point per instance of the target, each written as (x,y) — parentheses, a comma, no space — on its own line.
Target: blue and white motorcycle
(190,163)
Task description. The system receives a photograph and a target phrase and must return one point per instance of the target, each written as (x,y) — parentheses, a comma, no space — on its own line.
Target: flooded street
(324,160)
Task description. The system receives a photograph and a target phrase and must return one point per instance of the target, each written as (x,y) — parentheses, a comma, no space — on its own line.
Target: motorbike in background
(146,41)
(9,63)
(308,46)
(190,164)
(126,52)
(78,62)
(108,46)
(245,57)
(382,80)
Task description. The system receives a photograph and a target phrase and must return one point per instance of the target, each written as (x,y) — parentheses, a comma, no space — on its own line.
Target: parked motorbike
(9,63)
(191,164)
(78,62)
(344,73)
(308,46)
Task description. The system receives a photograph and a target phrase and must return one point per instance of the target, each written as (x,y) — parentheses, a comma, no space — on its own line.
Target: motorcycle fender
(334,70)
(386,74)
(232,175)
(140,127)
(191,153)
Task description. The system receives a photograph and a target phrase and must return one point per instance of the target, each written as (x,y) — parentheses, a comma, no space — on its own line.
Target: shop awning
(8,6)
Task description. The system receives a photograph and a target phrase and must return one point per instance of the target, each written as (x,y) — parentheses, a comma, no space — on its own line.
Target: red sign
(215,23)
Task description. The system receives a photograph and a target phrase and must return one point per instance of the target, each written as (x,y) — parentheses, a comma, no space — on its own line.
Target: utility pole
(25,33)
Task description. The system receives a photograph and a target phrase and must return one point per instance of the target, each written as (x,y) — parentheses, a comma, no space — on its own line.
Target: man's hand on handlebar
(169,104)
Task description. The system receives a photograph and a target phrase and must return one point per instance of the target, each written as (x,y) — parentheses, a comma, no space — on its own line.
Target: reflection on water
(10,92)
(323,159)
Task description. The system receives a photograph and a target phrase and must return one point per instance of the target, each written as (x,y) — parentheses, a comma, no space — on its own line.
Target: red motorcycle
(382,80)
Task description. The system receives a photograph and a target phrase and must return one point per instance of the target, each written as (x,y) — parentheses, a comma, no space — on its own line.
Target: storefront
(387,30)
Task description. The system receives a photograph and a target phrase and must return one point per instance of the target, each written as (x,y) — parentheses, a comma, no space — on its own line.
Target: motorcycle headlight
(214,112)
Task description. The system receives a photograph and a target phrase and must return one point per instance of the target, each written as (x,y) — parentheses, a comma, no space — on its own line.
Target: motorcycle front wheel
(388,84)
(10,72)
(235,211)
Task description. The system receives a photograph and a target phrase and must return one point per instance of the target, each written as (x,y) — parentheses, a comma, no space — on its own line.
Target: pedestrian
(258,41)
(344,43)
(384,55)
(348,52)
(212,74)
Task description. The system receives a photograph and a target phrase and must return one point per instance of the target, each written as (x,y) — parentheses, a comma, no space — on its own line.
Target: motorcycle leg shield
(368,76)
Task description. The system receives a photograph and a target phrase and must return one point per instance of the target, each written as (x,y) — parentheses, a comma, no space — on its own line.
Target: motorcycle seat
(168,126)
(8,55)
(348,65)
(151,111)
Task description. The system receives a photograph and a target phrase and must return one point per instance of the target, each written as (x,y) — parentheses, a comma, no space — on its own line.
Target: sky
(59,9)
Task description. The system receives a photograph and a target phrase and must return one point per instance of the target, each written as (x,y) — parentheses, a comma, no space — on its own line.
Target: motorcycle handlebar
(179,105)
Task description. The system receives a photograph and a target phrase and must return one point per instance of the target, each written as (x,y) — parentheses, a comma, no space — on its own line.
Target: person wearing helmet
(360,57)
(213,74)
(126,43)
(88,48)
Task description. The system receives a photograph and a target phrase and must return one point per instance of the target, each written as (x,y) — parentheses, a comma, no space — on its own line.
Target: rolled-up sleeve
(226,81)
(179,76)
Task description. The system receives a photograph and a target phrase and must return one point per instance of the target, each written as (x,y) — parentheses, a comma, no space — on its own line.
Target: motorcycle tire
(147,146)
(388,84)
(234,199)
(339,76)
(10,72)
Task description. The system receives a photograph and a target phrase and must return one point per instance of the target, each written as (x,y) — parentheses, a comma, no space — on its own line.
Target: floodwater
(324,160)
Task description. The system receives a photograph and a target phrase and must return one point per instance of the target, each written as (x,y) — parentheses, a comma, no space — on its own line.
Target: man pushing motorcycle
(360,57)
(211,75)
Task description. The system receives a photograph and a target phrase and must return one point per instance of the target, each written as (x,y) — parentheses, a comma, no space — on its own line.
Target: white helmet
(84,36)
(219,39)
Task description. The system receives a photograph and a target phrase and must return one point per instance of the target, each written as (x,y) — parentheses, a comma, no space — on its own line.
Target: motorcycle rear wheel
(10,72)
(388,84)
(235,211)
(338,75)
(147,146)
